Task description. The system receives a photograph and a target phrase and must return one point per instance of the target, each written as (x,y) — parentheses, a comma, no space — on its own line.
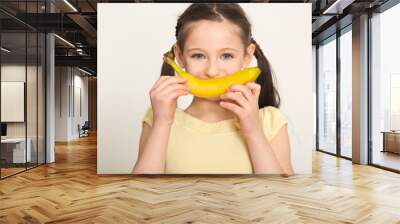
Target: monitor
(3,129)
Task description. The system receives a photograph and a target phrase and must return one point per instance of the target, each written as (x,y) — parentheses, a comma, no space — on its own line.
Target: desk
(16,147)
(391,141)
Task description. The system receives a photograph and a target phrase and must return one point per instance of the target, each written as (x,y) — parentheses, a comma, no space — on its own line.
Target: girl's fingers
(232,107)
(174,91)
(159,80)
(172,87)
(243,89)
(236,97)
(255,88)
(174,94)
(168,81)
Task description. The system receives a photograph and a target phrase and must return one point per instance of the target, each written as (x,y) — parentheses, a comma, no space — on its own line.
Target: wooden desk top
(13,140)
(391,132)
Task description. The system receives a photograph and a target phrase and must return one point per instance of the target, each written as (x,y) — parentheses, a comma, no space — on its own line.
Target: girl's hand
(243,101)
(163,96)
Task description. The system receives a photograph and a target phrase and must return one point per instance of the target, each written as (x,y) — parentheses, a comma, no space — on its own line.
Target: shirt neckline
(191,122)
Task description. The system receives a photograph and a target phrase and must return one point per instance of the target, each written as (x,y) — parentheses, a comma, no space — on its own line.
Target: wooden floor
(70,191)
(5,172)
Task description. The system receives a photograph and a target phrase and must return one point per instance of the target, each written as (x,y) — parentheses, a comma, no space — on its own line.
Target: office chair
(84,130)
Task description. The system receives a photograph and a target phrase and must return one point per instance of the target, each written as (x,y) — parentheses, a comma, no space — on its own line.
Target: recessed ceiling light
(5,50)
(70,5)
(337,7)
(84,71)
(64,40)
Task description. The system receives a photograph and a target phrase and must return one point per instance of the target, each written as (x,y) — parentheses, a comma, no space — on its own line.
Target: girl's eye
(227,56)
(196,56)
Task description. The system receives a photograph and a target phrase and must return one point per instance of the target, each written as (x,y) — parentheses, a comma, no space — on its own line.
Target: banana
(210,88)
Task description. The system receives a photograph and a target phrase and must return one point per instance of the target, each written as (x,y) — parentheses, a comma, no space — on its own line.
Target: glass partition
(13,103)
(22,77)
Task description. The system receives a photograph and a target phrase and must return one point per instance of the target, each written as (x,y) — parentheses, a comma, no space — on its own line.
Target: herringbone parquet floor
(70,191)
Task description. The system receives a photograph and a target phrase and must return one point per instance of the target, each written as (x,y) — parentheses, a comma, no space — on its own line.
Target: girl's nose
(212,70)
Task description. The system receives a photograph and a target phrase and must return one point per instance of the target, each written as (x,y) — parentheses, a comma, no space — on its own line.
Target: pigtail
(166,69)
(269,96)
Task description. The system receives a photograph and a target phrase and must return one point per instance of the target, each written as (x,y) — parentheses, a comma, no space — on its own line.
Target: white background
(131,40)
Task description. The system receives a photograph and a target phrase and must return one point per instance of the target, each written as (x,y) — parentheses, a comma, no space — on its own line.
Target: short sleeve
(148,117)
(273,120)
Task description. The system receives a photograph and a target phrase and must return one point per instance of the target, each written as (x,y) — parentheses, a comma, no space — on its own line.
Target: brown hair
(232,12)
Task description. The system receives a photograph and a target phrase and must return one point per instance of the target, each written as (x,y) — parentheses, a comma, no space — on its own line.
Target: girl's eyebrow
(196,48)
(226,48)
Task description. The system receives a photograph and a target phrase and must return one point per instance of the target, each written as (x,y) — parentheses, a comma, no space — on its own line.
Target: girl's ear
(178,55)
(249,54)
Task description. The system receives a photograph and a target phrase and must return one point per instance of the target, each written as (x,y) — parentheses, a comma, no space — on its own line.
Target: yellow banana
(209,88)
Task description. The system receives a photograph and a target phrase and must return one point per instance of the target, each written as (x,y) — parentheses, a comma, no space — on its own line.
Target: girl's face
(214,49)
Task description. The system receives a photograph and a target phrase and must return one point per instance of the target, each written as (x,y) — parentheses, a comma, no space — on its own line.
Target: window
(385,88)
(346,93)
(327,96)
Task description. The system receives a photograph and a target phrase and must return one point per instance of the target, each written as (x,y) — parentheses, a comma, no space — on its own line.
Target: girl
(242,131)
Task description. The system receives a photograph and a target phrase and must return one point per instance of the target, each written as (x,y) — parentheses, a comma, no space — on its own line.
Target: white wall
(68,81)
(81,83)
(130,59)
(61,103)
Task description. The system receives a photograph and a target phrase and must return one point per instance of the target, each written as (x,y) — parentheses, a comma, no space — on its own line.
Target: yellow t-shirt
(199,147)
